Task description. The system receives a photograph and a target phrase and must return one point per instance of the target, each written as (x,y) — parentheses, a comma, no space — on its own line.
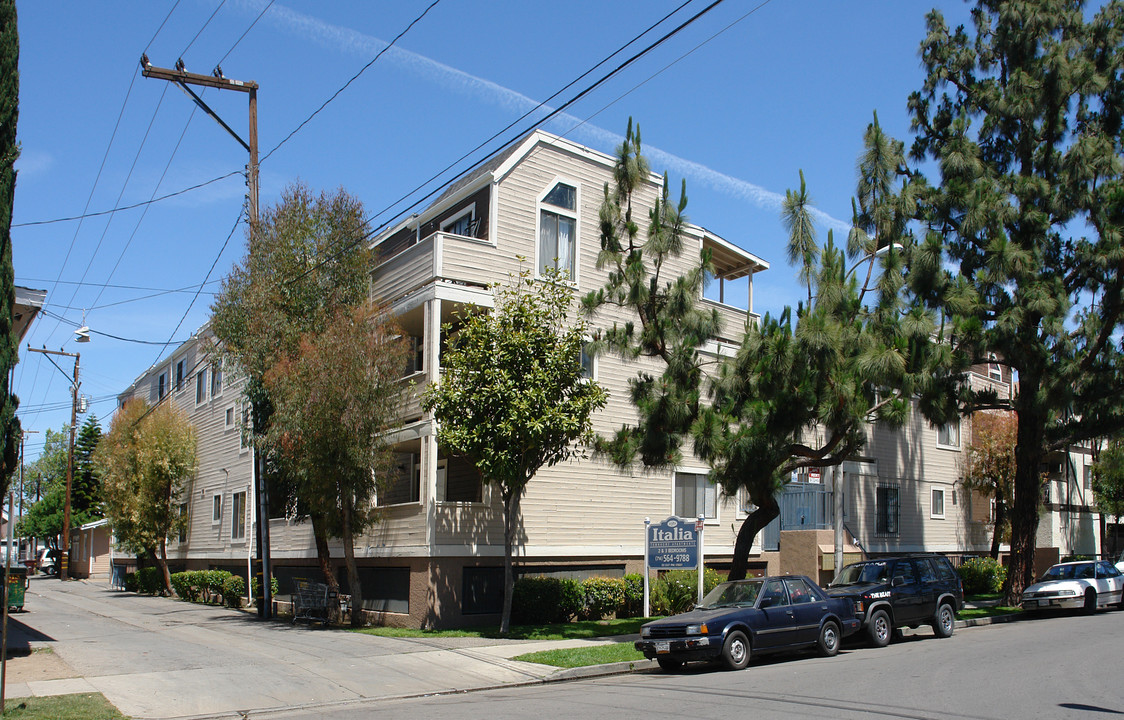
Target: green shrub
(129,582)
(538,600)
(150,581)
(255,585)
(676,591)
(633,603)
(982,575)
(233,588)
(603,596)
(212,582)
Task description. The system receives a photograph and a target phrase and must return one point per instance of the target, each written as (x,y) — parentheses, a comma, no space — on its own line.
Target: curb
(589,671)
(993,620)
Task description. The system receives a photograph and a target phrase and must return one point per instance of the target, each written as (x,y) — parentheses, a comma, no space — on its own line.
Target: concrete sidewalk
(162,658)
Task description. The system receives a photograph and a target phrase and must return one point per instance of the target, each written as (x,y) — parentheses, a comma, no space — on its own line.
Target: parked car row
(876,597)
(791,612)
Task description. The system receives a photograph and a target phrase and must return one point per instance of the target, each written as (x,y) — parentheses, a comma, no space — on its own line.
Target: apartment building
(435,558)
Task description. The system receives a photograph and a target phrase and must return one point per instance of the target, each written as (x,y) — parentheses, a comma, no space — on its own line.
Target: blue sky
(737,104)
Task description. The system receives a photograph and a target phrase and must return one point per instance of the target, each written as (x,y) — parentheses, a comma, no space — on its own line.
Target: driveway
(162,658)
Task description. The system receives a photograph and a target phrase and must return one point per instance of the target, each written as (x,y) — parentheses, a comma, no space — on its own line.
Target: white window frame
(703,472)
(228,418)
(216,509)
(994,369)
(180,373)
(469,210)
(897,515)
(933,494)
(216,390)
(245,428)
(592,376)
(574,215)
(201,384)
(162,385)
(944,443)
(234,516)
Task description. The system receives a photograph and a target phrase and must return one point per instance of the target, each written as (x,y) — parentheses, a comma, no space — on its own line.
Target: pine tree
(85,493)
(10,430)
(802,387)
(1023,118)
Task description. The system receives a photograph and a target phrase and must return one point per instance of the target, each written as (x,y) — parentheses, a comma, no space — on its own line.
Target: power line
(239,40)
(176,5)
(113,287)
(129,207)
(61,318)
(604,78)
(351,80)
(216,12)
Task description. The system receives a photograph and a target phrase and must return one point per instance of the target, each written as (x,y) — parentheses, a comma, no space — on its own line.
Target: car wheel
(880,628)
(829,639)
(735,652)
(1090,605)
(945,622)
(669,664)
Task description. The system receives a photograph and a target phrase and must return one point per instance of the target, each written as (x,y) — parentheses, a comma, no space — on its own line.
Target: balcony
(441,257)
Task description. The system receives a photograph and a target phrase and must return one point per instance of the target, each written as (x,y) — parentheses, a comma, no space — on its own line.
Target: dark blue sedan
(759,615)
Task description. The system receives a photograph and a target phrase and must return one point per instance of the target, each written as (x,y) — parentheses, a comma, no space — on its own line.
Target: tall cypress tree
(86,496)
(9,343)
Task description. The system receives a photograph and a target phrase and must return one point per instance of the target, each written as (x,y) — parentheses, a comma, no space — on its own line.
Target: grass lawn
(579,657)
(90,706)
(557,631)
(976,613)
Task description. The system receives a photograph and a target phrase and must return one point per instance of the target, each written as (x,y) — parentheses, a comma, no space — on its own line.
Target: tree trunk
(510,513)
(162,561)
(352,568)
(755,523)
(1000,522)
(323,554)
(1028,494)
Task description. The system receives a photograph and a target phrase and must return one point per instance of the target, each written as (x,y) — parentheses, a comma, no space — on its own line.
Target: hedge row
(210,586)
(556,600)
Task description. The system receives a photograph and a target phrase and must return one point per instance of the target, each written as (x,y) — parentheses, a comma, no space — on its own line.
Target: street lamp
(64,551)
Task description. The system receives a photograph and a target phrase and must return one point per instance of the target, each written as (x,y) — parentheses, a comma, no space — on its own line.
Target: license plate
(1032,603)
(663,647)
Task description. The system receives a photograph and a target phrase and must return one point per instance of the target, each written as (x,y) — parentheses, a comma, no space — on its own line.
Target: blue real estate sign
(673,545)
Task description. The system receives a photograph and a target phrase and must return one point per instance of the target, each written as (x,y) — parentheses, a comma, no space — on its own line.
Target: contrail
(355,43)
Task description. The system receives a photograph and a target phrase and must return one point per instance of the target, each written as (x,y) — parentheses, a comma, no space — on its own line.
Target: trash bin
(17,585)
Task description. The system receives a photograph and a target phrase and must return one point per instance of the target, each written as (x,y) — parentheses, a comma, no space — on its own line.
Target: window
(238,516)
(558,226)
(800,592)
(216,378)
(904,569)
(994,371)
(773,595)
(587,364)
(201,387)
(948,435)
(936,510)
(161,386)
(1088,477)
(403,483)
(464,223)
(180,369)
(183,522)
(415,357)
(482,590)
(695,495)
(216,509)
(247,428)
(886,502)
(229,423)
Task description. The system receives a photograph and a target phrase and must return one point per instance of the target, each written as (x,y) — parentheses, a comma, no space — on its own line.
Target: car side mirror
(897,582)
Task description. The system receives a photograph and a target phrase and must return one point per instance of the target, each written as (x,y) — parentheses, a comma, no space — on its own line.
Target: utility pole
(23,437)
(217,80)
(64,551)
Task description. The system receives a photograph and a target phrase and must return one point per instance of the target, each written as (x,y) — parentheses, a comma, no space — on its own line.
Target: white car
(1085,585)
(1120,562)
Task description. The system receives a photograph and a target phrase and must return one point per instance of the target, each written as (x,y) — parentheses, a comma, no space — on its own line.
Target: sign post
(699,531)
(674,544)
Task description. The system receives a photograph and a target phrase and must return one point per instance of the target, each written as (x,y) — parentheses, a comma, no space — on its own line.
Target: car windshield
(862,574)
(732,594)
(1069,572)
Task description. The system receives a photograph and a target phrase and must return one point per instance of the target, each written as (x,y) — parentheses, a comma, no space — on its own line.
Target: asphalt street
(1060,667)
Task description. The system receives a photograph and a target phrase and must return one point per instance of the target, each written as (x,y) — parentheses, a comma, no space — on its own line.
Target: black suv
(907,591)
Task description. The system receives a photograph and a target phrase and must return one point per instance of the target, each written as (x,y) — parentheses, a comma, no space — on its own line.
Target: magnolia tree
(512,397)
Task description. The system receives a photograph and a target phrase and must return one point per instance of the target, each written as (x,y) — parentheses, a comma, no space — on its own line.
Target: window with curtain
(695,495)
(558,228)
